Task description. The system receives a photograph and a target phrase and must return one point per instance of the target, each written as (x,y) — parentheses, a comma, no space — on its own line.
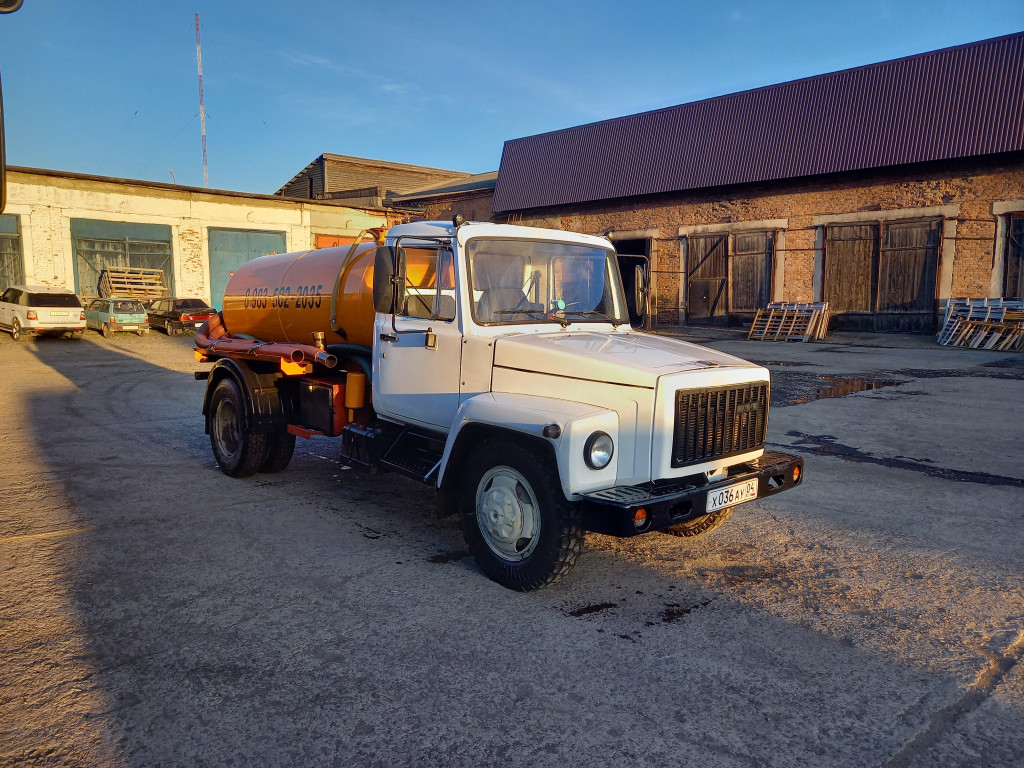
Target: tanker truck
(495,363)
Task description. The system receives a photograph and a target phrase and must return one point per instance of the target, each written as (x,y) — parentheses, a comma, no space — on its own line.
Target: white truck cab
(511,347)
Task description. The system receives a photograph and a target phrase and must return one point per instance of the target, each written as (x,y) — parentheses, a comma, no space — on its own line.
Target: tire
(280,447)
(15,329)
(522,531)
(700,525)
(238,451)
(105,331)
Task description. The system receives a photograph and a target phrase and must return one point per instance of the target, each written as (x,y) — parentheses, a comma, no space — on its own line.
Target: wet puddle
(839,387)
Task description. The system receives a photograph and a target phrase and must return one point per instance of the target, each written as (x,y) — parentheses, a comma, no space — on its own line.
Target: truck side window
(429,284)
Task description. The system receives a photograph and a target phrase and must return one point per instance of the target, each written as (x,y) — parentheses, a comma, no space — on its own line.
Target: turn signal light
(640,518)
(796,474)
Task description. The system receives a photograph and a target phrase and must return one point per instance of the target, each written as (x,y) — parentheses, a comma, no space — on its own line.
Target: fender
(527,415)
(267,409)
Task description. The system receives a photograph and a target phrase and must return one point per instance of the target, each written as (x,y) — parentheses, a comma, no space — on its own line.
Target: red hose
(214,338)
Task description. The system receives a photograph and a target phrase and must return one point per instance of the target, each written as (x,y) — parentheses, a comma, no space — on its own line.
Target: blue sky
(110,88)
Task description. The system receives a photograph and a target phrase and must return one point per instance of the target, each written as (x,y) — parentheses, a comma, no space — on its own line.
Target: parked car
(176,315)
(110,315)
(41,309)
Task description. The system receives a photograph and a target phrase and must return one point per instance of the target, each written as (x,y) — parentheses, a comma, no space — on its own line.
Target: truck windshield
(536,281)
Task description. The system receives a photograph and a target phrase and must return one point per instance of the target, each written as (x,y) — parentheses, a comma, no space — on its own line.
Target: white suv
(41,309)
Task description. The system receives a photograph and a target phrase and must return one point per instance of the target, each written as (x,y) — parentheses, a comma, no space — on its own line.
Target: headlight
(598,450)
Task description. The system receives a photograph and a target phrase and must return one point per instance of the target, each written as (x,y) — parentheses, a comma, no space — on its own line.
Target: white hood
(633,359)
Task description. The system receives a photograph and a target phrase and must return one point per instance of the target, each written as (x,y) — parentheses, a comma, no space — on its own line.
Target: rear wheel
(522,531)
(280,447)
(15,329)
(239,451)
(105,330)
(703,524)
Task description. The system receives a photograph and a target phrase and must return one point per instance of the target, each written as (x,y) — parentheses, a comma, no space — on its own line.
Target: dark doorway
(634,253)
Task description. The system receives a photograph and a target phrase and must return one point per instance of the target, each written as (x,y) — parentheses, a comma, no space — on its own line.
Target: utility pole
(202,109)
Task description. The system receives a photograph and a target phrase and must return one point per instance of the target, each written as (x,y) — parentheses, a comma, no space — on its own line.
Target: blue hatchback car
(111,315)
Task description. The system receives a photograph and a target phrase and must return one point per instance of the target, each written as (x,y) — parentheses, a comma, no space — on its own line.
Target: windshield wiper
(594,313)
(536,313)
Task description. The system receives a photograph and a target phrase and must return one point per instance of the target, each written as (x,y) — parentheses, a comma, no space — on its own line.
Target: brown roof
(952,103)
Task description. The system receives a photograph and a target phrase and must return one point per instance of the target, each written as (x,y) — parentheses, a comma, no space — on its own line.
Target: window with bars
(12,266)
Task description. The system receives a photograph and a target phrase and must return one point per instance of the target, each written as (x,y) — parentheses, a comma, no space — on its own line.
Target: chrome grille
(719,422)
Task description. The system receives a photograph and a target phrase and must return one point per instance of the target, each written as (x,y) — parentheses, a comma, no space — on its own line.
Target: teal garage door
(231,248)
(101,244)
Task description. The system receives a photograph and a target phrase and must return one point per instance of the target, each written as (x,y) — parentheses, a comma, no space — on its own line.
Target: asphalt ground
(154,612)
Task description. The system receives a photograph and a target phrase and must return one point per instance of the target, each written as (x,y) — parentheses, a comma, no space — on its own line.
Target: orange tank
(289,296)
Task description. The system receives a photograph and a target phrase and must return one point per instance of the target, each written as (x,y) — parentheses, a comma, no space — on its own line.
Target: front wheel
(703,524)
(239,451)
(522,531)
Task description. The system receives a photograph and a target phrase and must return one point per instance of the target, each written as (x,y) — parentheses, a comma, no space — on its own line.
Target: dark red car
(176,316)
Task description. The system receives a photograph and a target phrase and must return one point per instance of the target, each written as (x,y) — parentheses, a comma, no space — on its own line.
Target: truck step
(415,454)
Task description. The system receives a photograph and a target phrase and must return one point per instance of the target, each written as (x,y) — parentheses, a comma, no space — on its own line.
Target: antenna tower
(202,109)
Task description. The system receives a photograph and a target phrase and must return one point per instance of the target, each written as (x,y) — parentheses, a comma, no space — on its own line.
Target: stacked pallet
(984,324)
(132,283)
(781,321)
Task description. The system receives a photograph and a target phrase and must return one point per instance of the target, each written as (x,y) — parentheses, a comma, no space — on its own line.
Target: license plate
(732,494)
(58,314)
(129,327)
(198,325)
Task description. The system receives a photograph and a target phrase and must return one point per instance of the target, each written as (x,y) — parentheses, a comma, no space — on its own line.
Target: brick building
(884,189)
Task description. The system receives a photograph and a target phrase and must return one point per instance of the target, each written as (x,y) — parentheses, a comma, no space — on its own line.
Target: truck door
(418,350)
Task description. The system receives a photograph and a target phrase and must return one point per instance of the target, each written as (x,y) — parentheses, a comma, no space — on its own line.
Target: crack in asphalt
(977,692)
(826,445)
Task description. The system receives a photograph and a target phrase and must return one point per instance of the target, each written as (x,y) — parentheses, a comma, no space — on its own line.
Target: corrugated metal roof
(952,103)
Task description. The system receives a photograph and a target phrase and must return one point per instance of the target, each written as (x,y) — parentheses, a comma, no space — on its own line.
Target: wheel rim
(508,514)
(15,330)
(227,429)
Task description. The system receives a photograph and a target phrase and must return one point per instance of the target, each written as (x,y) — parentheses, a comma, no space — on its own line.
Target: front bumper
(611,511)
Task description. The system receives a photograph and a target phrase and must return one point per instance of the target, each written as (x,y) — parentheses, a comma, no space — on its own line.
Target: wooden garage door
(706,299)
(882,276)
(231,248)
(750,272)
(1013,282)
(851,256)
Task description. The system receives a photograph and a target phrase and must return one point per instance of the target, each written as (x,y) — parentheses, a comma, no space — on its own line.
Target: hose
(214,337)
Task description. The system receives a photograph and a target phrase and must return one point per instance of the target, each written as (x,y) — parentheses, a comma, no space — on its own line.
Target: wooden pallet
(781,321)
(983,324)
(132,282)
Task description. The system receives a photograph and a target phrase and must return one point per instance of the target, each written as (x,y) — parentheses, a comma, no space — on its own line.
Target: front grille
(720,422)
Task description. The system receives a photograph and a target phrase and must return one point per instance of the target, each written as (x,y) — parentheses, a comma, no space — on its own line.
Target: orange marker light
(640,518)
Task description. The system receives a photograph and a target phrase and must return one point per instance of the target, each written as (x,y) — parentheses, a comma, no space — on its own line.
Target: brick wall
(968,188)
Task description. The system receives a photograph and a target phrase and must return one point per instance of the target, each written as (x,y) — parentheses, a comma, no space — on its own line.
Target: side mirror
(641,291)
(389,279)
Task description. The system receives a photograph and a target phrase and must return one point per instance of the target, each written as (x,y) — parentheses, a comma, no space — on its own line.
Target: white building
(62,229)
